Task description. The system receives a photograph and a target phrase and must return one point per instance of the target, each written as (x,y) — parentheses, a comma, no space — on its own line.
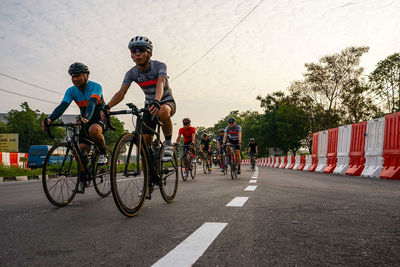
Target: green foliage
(112,137)
(27,123)
(6,171)
(385,82)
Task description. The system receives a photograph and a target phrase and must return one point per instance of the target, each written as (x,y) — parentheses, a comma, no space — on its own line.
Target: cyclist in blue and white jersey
(88,95)
(233,136)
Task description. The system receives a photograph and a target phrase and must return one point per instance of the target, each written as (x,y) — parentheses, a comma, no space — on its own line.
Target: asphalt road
(292,218)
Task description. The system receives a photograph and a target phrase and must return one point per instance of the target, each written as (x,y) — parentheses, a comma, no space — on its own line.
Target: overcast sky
(265,53)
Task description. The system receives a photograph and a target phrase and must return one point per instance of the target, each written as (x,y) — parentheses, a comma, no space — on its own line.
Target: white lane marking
(254,177)
(250,188)
(187,252)
(237,202)
(252,181)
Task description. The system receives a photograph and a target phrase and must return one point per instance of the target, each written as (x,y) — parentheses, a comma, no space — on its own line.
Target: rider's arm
(119,96)
(90,107)
(193,138)
(160,87)
(224,140)
(257,150)
(178,139)
(240,137)
(60,109)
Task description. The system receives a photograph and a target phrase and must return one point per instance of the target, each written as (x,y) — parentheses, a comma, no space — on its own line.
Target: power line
(30,97)
(218,42)
(31,84)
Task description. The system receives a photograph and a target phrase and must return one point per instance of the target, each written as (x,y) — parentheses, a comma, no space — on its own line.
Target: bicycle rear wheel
(193,168)
(169,176)
(129,178)
(102,183)
(60,174)
(184,172)
(205,168)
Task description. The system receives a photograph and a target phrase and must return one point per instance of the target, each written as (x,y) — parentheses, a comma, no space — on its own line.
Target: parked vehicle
(37,155)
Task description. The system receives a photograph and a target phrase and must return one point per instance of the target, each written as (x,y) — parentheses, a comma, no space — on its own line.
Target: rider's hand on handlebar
(154,107)
(45,122)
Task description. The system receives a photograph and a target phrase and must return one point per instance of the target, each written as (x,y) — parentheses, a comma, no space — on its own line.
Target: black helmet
(78,68)
(204,135)
(231,119)
(140,41)
(186,121)
(221,130)
(252,140)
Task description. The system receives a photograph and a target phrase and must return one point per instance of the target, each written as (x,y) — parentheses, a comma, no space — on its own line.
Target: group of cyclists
(151,76)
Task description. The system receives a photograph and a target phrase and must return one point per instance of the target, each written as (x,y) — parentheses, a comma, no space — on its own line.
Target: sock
(168,140)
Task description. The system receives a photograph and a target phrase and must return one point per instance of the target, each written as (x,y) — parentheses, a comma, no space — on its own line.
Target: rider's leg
(164,114)
(96,135)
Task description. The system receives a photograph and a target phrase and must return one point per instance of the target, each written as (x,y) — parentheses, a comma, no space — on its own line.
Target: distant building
(66,118)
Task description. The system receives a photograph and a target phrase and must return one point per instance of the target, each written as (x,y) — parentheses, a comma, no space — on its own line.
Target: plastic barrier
(283,162)
(1,158)
(343,150)
(292,160)
(374,148)
(14,159)
(289,162)
(314,155)
(302,162)
(296,162)
(272,161)
(278,162)
(322,150)
(391,147)
(331,155)
(357,147)
(308,163)
(265,164)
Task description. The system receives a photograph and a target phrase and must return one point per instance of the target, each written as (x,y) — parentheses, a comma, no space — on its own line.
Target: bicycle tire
(129,204)
(184,174)
(169,176)
(233,168)
(55,178)
(193,169)
(101,180)
(205,166)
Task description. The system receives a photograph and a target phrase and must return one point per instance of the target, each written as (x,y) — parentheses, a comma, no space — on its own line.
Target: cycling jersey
(148,81)
(206,144)
(89,101)
(220,139)
(233,133)
(187,133)
(253,147)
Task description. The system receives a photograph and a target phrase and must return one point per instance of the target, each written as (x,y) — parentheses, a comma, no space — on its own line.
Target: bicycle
(253,160)
(62,172)
(232,161)
(137,169)
(206,162)
(187,160)
(223,162)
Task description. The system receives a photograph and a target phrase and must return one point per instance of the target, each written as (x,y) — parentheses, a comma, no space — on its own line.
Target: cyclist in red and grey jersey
(152,77)
(233,136)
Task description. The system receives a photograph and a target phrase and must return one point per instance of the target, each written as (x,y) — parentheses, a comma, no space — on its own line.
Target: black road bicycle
(188,163)
(232,161)
(137,169)
(62,170)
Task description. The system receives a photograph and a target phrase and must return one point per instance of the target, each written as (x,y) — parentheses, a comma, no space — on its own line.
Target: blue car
(36,155)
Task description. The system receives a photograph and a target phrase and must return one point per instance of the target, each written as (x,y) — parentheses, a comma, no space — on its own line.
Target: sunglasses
(140,49)
(185,124)
(232,122)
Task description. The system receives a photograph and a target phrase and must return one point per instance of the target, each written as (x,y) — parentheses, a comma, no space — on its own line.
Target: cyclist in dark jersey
(152,77)
(233,136)
(220,141)
(205,147)
(88,96)
(253,149)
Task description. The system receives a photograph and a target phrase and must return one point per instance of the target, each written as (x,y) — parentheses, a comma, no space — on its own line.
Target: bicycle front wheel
(184,171)
(193,168)
(129,176)
(205,168)
(233,168)
(102,183)
(169,177)
(60,174)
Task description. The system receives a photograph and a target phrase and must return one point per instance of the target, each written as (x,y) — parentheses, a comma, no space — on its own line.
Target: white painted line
(254,177)
(237,202)
(250,188)
(187,252)
(252,181)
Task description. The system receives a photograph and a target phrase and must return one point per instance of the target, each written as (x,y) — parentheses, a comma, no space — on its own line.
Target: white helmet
(140,41)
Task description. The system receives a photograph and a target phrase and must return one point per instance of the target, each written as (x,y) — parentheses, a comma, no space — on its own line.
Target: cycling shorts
(150,122)
(84,133)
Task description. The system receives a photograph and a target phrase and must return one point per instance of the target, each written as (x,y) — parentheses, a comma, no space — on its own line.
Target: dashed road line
(252,181)
(237,202)
(250,188)
(190,249)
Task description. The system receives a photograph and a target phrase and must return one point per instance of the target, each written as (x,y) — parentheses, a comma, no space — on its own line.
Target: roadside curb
(18,178)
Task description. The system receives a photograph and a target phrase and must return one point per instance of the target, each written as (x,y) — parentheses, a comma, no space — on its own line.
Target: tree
(27,123)
(112,137)
(330,82)
(385,82)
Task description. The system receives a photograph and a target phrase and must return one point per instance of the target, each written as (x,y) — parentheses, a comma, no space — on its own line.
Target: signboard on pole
(8,142)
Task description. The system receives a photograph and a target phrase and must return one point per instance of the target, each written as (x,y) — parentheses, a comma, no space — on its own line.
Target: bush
(6,171)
